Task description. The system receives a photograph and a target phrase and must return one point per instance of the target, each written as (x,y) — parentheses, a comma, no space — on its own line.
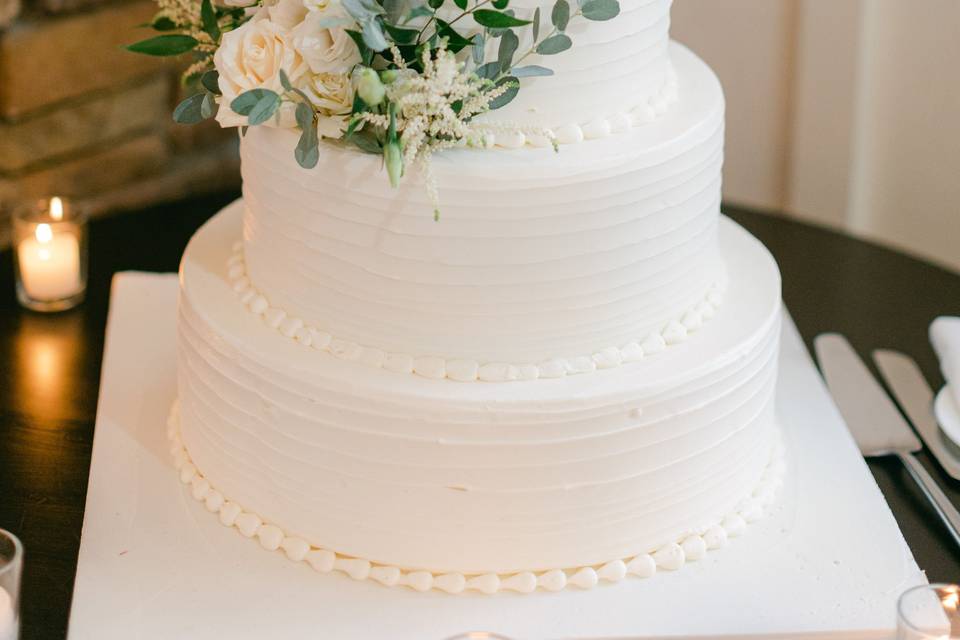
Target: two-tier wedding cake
(566,379)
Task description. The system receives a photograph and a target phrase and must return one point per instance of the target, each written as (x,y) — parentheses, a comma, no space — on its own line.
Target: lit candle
(49,264)
(8,620)
(48,256)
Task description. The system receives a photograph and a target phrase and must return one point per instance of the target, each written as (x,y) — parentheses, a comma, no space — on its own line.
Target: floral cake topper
(398,78)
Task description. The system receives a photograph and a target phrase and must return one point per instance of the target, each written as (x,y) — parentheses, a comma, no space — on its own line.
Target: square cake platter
(829,560)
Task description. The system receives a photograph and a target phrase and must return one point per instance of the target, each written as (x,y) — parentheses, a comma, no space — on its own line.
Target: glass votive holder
(929,612)
(11,563)
(50,254)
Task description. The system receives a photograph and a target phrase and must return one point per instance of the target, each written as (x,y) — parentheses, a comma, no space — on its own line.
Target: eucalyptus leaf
(246,101)
(373,36)
(531,71)
(304,116)
(208,106)
(307,152)
(362,10)
(264,109)
(211,81)
(509,43)
(513,88)
(421,11)
(600,10)
(554,44)
(367,142)
(285,81)
(489,71)
(561,15)
(479,49)
(188,111)
(536,24)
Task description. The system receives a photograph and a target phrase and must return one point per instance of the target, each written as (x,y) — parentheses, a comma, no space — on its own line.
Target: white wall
(843,112)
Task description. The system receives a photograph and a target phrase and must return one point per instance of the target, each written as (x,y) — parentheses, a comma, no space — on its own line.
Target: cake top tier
(611,67)
(404,79)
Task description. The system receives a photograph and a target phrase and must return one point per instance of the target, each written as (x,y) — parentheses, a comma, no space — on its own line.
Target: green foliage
(416,30)
(172,44)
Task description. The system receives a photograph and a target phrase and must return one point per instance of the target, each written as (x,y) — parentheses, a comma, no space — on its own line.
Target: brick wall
(83,118)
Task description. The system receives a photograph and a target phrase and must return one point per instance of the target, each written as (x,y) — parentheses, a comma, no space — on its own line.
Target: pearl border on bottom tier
(669,557)
(462,369)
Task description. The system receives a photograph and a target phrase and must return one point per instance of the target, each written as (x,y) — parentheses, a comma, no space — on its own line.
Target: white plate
(948,415)
(154,564)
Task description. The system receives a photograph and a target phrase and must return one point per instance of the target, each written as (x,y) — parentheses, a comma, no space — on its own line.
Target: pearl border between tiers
(669,557)
(647,112)
(460,369)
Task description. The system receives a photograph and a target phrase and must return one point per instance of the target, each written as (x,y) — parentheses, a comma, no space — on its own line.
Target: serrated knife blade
(874,420)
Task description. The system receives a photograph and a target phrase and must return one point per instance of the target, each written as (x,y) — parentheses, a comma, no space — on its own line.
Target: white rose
(287,13)
(251,57)
(332,97)
(327,49)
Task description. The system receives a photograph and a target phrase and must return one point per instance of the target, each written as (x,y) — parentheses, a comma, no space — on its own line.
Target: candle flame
(44,233)
(56,208)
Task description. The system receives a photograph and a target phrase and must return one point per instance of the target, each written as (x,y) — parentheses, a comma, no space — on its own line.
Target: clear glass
(478,635)
(11,564)
(50,254)
(929,612)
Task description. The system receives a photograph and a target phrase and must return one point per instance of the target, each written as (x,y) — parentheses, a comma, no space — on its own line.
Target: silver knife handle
(945,509)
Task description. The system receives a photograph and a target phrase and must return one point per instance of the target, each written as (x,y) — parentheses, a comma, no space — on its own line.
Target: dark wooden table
(50,371)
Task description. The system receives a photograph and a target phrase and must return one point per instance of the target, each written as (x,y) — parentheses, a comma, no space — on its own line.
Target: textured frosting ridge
(538,254)
(465,369)
(474,478)
(670,557)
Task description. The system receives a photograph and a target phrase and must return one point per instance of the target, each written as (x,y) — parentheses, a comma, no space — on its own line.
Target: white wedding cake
(567,379)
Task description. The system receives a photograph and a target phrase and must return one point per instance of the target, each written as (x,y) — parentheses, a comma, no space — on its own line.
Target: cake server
(915,397)
(874,420)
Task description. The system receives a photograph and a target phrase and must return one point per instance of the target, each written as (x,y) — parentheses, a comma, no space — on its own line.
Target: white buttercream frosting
(616,68)
(465,369)
(476,479)
(537,255)
(670,557)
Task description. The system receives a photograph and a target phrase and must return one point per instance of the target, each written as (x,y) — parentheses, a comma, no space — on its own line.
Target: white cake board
(154,564)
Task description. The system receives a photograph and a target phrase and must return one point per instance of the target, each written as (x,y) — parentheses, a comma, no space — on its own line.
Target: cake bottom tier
(435,483)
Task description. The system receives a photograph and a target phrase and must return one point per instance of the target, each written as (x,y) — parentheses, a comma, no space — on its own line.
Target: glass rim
(17,558)
(32,210)
(933,586)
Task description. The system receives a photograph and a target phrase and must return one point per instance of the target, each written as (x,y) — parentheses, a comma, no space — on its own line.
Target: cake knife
(915,397)
(874,420)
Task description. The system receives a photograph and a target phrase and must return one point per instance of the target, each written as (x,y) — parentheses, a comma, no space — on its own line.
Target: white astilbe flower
(436,109)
